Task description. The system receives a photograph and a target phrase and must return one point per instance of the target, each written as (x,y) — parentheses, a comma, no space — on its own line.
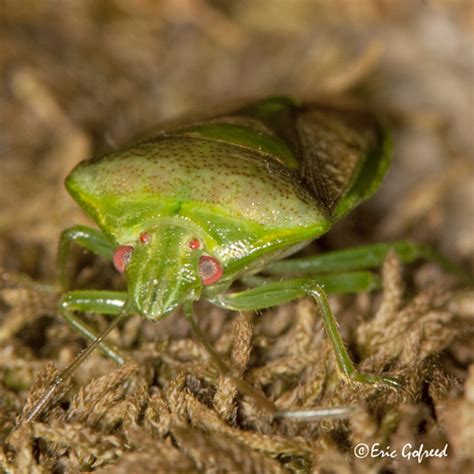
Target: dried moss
(82,77)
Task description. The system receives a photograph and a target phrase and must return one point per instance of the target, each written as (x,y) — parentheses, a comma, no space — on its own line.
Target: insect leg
(247,389)
(335,283)
(87,237)
(54,389)
(342,356)
(103,302)
(276,293)
(364,257)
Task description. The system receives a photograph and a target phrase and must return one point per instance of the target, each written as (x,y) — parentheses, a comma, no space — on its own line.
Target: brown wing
(334,147)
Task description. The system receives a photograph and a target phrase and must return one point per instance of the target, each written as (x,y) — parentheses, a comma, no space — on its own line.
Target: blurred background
(81,77)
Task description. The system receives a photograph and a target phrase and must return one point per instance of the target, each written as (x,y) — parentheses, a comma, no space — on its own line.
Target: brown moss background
(81,77)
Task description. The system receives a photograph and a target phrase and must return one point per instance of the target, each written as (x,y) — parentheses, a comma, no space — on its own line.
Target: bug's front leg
(247,389)
(275,293)
(364,257)
(87,237)
(107,302)
(97,301)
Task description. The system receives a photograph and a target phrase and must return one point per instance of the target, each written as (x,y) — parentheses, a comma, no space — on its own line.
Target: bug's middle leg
(275,293)
(97,301)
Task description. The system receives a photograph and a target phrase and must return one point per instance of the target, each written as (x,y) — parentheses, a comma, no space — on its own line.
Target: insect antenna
(54,388)
(58,383)
(224,369)
(247,389)
(339,412)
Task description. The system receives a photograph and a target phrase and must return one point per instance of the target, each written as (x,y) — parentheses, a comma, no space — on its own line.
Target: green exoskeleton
(191,210)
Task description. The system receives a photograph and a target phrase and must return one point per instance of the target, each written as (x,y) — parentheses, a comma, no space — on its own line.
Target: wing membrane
(343,156)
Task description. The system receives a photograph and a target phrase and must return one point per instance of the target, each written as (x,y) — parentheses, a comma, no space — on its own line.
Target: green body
(253,186)
(189,211)
(193,209)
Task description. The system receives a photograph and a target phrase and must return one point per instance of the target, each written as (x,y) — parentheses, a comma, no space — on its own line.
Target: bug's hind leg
(364,257)
(333,283)
(97,301)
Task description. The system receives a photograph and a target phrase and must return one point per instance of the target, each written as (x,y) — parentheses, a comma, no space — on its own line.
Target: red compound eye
(210,270)
(194,244)
(121,257)
(144,237)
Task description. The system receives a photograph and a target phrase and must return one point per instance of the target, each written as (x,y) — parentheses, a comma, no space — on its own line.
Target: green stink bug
(195,208)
